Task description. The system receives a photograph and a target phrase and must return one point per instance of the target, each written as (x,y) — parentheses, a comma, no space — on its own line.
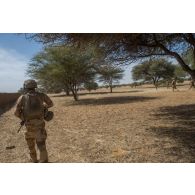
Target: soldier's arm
(19,107)
(48,102)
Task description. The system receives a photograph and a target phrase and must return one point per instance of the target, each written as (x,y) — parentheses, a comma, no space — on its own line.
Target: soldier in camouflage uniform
(173,83)
(35,125)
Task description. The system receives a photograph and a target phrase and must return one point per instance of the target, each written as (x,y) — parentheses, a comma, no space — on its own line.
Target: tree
(91,85)
(153,70)
(189,58)
(180,73)
(67,66)
(110,74)
(51,86)
(133,47)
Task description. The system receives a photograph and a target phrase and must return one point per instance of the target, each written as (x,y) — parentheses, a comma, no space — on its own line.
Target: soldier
(30,109)
(192,84)
(173,83)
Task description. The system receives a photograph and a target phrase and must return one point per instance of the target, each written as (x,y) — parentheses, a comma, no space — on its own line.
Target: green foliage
(180,73)
(63,66)
(132,47)
(91,85)
(109,74)
(189,58)
(153,70)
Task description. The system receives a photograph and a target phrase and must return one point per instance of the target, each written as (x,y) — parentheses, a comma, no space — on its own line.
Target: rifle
(21,125)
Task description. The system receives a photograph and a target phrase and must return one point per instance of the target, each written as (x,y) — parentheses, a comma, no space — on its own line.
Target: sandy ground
(130,125)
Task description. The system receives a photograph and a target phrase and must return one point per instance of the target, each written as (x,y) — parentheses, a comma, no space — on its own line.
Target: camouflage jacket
(47,102)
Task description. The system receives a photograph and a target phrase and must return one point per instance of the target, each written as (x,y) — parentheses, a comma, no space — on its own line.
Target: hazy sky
(15,54)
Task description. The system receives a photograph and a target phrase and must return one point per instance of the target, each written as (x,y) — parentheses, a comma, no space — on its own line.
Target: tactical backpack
(33,107)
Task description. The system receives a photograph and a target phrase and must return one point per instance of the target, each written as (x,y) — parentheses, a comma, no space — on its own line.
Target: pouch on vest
(33,107)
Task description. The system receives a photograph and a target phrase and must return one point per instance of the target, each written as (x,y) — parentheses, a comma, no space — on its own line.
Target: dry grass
(130,125)
(7,100)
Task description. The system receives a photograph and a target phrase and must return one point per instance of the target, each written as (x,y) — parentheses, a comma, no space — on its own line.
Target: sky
(15,54)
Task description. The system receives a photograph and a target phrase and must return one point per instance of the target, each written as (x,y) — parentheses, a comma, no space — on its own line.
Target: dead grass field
(130,125)
(7,100)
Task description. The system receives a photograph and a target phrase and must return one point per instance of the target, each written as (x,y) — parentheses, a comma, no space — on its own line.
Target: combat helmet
(30,84)
(48,115)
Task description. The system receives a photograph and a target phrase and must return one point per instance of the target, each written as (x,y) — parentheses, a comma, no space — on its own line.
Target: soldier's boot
(33,154)
(33,160)
(43,152)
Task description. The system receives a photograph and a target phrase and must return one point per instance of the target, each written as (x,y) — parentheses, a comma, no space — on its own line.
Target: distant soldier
(31,108)
(173,84)
(192,84)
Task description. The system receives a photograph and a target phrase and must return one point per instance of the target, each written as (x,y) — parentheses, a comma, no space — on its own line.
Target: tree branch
(174,54)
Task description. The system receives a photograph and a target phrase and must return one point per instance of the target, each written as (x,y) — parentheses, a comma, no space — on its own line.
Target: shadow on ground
(182,130)
(5,108)
(114,92)
(112,100)
(99,93)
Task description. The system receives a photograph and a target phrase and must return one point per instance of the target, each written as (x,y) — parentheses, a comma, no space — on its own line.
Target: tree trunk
(180,60)
(74,93)
(67,91)
(110,88)
(155,83)
(67,88)
(184,66)
(110,84)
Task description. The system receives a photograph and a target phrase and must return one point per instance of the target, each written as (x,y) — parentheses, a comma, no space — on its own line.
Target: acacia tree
(67,66)
(153,70)
(133,47)
(110,74)
(90,85)
(180,73)
(189,58)
(45,74)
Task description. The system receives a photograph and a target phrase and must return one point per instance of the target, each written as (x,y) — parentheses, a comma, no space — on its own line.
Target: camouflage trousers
(36,135)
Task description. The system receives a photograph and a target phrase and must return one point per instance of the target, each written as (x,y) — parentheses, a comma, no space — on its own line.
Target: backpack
(33,106)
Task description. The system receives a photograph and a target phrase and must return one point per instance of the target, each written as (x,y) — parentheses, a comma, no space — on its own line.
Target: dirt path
(131,125)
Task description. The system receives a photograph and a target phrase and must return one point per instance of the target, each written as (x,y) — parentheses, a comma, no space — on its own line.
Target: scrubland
(130,125)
